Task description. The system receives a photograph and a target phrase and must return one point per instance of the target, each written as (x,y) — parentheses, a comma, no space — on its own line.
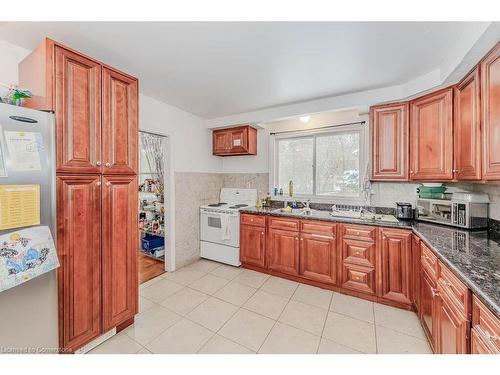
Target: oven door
(211,228)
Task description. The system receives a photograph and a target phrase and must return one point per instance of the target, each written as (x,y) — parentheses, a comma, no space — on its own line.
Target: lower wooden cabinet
(394,271)
(427,312)
(119,250)
(253,245)
(318,257)
(416,271)
(283,251)
(79,249)
(485,337)
(358,266)
(452,328)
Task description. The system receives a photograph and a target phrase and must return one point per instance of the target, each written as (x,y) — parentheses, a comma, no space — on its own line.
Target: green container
(431,192)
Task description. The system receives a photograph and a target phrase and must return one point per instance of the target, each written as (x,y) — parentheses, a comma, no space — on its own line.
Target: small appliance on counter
(404,211)
(464,210)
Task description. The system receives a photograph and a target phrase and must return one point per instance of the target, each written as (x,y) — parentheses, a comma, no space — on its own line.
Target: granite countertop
(472,255)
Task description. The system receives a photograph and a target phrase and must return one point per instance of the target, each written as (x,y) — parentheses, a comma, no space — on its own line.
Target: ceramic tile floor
(208,307)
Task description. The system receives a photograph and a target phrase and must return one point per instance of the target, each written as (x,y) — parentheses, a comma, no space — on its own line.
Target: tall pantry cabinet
(96,114)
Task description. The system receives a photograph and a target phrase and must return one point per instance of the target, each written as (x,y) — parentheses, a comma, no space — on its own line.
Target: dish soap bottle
(290,188)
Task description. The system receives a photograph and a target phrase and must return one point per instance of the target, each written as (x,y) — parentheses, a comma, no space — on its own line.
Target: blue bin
(150,242)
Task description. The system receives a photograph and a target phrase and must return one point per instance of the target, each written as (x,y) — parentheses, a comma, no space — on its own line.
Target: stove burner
(217,204)
(239,205)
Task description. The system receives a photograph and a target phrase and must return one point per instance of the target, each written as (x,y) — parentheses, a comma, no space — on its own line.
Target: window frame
(361,129)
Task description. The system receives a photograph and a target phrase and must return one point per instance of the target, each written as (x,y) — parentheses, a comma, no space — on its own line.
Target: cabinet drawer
(453,289)
(358,278)
(257,220)
(284,224)
(429,261)
(318,227)
(358,252)
(486,323)
(359,232)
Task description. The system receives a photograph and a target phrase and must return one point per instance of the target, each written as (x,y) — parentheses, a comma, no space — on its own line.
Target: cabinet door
(431,137)
(490,97)
(119,249)
(394,266)
(467,129)
(428,307)
(119,128)
(221,142)
(416,271)
(78,247)
(283,251)
(238,140)
(358,265)
(389,127)
(253,245)
(452,329)
(318,257)
(480,345)
(78,113)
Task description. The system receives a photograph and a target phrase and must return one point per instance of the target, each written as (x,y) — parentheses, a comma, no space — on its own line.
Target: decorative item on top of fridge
(15,95)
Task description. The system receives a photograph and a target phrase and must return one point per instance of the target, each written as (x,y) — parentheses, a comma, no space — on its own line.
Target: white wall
(190,140)
(10,57)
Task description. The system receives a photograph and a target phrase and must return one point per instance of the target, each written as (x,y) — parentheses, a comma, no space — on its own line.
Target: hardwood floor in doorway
(149,268)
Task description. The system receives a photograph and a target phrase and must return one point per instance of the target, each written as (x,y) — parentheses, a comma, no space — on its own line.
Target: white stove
(220,225)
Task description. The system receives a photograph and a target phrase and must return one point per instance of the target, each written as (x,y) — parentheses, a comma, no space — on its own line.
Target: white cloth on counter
(225,227)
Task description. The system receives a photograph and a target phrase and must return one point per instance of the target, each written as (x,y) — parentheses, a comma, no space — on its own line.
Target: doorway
(152,208)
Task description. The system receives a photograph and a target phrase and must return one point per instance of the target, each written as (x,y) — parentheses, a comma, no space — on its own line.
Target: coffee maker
(404,211)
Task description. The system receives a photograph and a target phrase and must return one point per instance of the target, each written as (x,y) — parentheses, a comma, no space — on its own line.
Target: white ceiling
(219,69)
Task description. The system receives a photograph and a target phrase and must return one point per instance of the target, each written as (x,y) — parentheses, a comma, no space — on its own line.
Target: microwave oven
(465,211)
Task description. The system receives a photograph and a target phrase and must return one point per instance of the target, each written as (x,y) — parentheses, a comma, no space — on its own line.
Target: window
(322,165)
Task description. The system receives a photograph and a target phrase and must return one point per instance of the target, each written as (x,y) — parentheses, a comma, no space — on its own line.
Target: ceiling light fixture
(305,118)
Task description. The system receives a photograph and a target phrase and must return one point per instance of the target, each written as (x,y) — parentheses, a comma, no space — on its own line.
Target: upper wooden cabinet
(78,112)
(241,140)
(467,128)
(389,134)
(490,98)
(95,107)
(119,125)
(394,271)
(431,137)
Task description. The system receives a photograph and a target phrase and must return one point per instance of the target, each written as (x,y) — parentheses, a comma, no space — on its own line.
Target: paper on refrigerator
(24,150)
(26,254)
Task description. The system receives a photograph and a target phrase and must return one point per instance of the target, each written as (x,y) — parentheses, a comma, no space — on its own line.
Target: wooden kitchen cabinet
(490,99)
(394,266)
(452,327)
(78,113)
(120,122)
(467,128)
(428,307)
(416,271)
(119,249)
(431,137)
(79,251)
(389,136)
(252,244)
(485,337)
(318,257)
(283,251)
(358,259)
(236,141)
(96,110)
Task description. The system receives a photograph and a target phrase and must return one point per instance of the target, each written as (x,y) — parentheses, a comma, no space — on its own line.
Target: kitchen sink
(368,217)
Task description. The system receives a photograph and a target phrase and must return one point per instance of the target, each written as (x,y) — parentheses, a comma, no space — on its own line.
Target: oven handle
(218,214)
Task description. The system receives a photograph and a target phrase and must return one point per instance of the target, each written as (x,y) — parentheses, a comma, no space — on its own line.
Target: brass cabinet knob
(98,163)
(108,183)
(108,165)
